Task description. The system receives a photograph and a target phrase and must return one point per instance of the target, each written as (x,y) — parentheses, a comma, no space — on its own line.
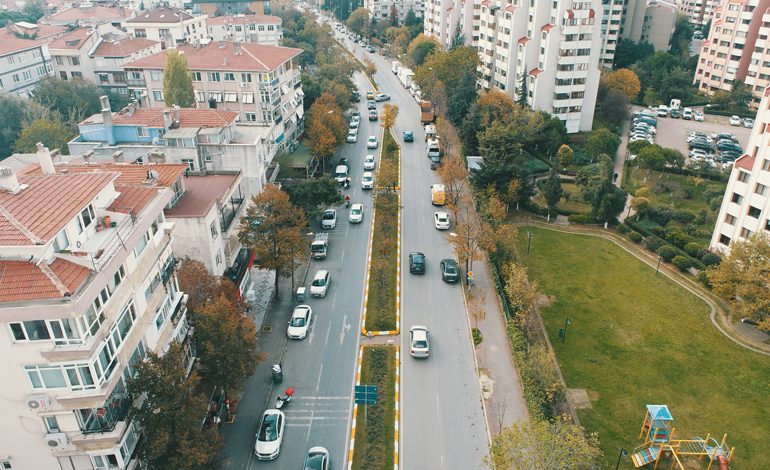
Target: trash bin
(277,373)
(300,294)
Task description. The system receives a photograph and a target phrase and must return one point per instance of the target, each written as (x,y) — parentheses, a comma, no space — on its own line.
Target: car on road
(662,111)
(698,116)
(299,322)
(748,123)
(329,219)
(441,220)
(369,162)
(735,120)
(270,434)
(369,95)
(450,272)
(675,114)
(382,97)
(320,285)
(370,49)
(408,136)
(373,116)
(317,458)
(419,346)
(355,96)
(367,180)
(352,137)
(353,125)
(371,105)
(371,142)
(416,263)
(356,214)
(687,114)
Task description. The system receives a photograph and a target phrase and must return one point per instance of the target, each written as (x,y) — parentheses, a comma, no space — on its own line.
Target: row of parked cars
(644,126)
(718,147)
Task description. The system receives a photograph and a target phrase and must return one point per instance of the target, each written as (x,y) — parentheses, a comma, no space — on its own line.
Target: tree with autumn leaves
(325,127)
(273,227)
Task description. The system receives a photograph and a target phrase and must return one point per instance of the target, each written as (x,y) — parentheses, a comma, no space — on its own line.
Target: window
(766,164)
(140,33)
(61,242)
(51,424)
(737,198)
(142,131)
(214,77)
(75,60)
(743,177)
(196,76)
(215,96)
(190,163)
(120,274)
(136,357)
(264,96)
(141,244)
(231,97)
(75,376)
(200,96)
(229,77)
(754,212)
(247,97)
(745,233)
(27,75)
(34,330)
(213,230)
(16,78)
(730,219)
(724,239)
(105,462)
(104,78)
(156,75)
(246,77)
(251,117)
(760,189)
(157,95)
(219,259)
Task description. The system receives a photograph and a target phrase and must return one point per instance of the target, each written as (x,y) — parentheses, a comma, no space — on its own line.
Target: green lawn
(375,428)
(637,338)
(293,164)
(572,203)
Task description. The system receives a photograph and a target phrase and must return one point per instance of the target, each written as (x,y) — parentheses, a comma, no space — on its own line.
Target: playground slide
(722,462)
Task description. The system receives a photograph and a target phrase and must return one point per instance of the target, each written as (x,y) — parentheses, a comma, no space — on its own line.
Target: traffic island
(374,433)
(382,288)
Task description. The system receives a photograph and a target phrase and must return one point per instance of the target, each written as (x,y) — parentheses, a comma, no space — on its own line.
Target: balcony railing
(136,82)
(105,418)
(105,243)
(168,269)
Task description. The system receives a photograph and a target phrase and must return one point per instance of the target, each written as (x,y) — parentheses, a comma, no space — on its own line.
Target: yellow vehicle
(438,195)
(369,95)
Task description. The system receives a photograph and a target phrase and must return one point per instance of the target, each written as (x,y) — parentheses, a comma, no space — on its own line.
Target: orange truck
(426,112)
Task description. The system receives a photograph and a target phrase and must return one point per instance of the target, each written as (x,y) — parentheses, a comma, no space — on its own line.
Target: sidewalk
(499,375)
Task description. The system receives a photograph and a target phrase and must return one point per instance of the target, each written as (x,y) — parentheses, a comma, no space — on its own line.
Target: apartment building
(698,12)
(649,21)
(231,7)
(109,56)
(34,30)
(736,49)
(88,287)
(441,18)
(745,208)
(261,83)
(88,14)
(23,63)
(388,10)
(70,54)
(260,29)
(168,25)
(552,46)
(206,220)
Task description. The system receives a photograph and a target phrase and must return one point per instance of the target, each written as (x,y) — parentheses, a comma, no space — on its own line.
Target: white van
(340,173)
(395,67)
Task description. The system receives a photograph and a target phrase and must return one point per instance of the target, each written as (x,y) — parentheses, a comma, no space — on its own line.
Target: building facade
(698,12)
(23,63)
(389,10)
(231,7)
(650,21)
(70,54)
(109,56)
(168,25)
(261,83)
(88,288)
(550,51)
(88,14)
(745,208)
(736,49)
(260,29)
(442,17)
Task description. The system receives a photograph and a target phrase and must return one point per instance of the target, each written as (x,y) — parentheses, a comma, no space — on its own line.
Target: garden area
(637,338)
(381,305)
(375,426)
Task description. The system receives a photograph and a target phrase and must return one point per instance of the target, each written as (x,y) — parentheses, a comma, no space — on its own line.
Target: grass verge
(375,425)
(383,267)
(638,338)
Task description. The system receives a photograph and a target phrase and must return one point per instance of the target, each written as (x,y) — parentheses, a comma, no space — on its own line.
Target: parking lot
(672,133)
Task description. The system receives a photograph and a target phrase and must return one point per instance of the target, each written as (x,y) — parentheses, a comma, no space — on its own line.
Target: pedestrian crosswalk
(317,411)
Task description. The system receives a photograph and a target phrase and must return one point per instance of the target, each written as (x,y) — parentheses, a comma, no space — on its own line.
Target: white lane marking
(345,328)
(320,372)
(310,426)
(328,330)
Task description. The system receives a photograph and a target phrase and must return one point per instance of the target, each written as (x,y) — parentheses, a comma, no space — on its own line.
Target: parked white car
(320,285)
(352,136)
(369,163)
(329,219)
(441,220)
(299,322)
(698,116)
(735,120)
(270,435)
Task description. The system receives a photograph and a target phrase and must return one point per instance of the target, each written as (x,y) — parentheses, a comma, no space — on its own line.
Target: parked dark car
(450,272)
(416,263)
(355,97)
(675,114)
(408,136)
(703,145)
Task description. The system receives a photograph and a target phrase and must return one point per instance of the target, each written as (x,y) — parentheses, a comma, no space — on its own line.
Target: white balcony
(99,248)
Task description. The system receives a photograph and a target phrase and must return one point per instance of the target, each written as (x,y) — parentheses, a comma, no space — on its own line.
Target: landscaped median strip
(375,428)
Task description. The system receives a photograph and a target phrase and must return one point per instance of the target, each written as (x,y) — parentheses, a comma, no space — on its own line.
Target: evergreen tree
(458,38)
(552,190)
(177,81)
(523,92)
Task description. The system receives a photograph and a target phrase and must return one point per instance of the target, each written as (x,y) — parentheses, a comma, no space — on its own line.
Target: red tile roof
(132,198)
(36,214)
(746,162)
(201,193)
(39,31)
(9,43)
(161,15)
(523,40)
(97,12)
(188,117)
(511,8)
(123,48)
(254,57)
(547,27)
(23,280)
(535,72)
(127,173)
(244,19)
(72,40)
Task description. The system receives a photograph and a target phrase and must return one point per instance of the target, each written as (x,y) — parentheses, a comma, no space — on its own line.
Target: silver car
(419,343)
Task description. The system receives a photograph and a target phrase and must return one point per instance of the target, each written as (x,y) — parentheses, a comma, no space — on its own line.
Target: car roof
(419,329)
(367,173)
(321,273)
(300,310)
(441,213)
(372,137)
(416,253)
(448,260)
(370,157)
(357,206)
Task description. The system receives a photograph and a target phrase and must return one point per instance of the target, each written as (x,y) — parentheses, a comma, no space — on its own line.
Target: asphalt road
(320,367)
(442,420)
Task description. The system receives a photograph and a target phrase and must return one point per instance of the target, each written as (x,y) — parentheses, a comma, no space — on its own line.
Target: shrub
(635,237)
(659,214)
(684,216)
(476,336)
(693,249)
(678,238)
(682,262)
(703,278)
(659,231)
(582,219)
(623,228)
(653,243)
(711,259)
(666,253)
(698,265)
(715,203)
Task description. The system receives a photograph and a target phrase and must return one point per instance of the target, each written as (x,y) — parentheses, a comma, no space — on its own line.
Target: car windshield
(367,178)
(417,258)
(328,215)
(420,344)
(320,282)
(442,218)
(450,269)
(355,211)
(269,430)
(298,321)
(314,462)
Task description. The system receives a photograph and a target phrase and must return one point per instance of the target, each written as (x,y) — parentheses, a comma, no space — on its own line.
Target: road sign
(470,274)
(366,394)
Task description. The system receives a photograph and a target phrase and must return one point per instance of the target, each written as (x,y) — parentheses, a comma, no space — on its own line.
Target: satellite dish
(152,174)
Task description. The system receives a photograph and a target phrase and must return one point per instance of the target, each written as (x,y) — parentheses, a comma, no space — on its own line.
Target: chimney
(222,44)
(44,157)
(107,119)
(176,115)
(167,119)
(88,157)
(8,180)
(237,48)
(131,108)
(117,157)
(224,58)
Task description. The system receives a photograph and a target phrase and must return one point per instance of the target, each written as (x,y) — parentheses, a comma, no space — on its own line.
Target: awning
(280,138)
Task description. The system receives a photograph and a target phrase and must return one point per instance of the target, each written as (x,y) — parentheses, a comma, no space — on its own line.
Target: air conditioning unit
(57,440)
(38,402)
(244,84)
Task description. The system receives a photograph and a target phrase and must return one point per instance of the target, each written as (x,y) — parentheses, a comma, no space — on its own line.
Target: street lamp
(563,331)
(529,241)
(657,268)
(622,454)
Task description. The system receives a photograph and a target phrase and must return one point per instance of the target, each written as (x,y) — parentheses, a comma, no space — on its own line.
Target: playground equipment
(659,443)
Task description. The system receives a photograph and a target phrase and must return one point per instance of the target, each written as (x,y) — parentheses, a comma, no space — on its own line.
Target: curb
(352,443)
(397,410)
